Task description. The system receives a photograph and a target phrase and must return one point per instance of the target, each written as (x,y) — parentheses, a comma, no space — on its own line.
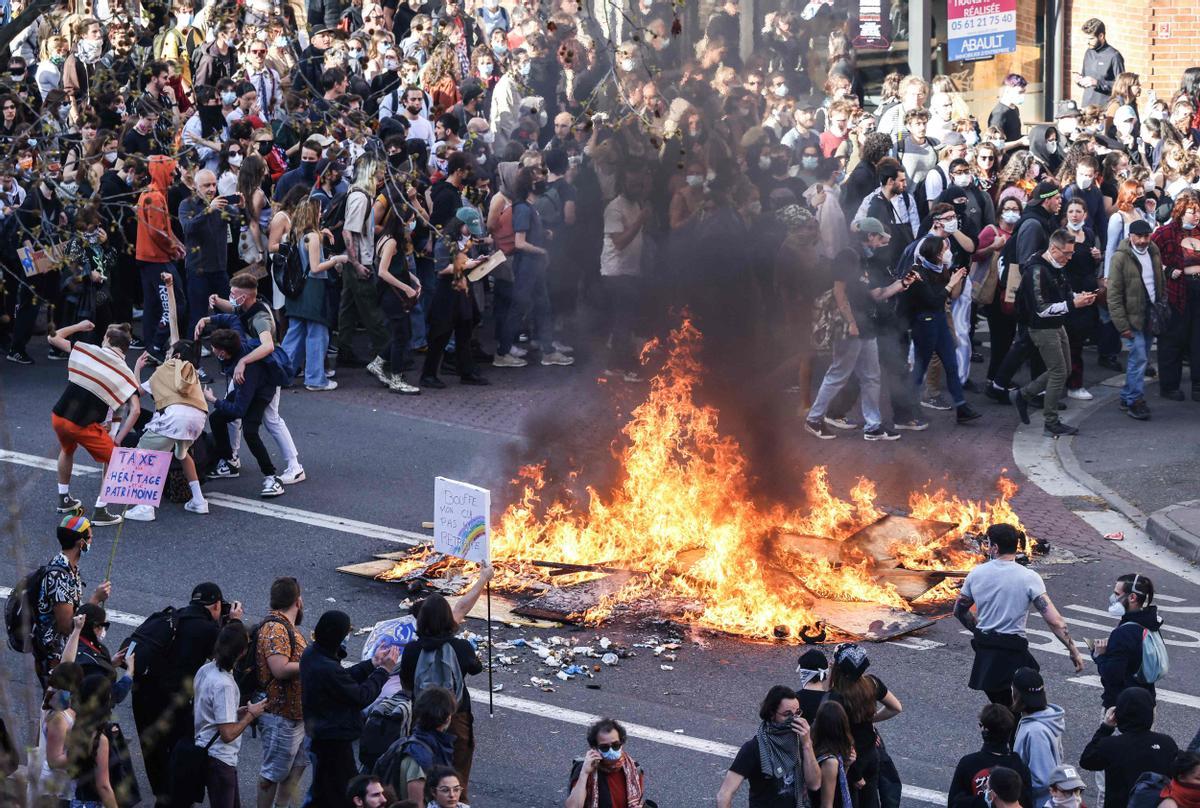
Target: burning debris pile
(680,536)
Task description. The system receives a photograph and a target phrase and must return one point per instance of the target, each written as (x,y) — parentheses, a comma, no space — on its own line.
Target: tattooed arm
(962,611)
(1058,625)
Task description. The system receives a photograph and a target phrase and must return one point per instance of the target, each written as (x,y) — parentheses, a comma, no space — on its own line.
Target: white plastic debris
(666,667)
(605,642)
(563,675)
(609,659)
(537,682)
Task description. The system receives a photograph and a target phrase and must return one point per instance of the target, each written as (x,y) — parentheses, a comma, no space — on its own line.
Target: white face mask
(101,633)
(1083,181)
(1115,607)
(1068,126)
(1075,226)
(962,180)
(1052,147)
(949,227)
(971,138)
(1010,216)
(390,64)
(780,90)
(764,162)
(235,160)
(627,65)
(1125,128)
(694,180)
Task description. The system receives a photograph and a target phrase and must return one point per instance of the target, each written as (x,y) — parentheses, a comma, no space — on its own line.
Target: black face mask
(264,147)
(539,187)
(309,170)
(396,160)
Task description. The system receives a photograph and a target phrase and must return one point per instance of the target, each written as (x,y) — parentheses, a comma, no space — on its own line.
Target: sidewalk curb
(1163,528)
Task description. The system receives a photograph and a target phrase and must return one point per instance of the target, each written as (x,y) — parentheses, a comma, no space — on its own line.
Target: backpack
(287,268)
(246,672)
(154,639)
(20,611)
(439,669)
(1146,790)
(1155,662)
(387,722)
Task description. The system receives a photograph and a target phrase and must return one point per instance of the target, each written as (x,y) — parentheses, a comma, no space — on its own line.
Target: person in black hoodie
(1043,145)
(1119,658)
(94,657)
(861,181)
(1136,750)
(970,781)
(334,699)
(1044,304)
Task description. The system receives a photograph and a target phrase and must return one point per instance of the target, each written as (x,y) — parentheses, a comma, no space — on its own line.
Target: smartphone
(233,199)
(132,647)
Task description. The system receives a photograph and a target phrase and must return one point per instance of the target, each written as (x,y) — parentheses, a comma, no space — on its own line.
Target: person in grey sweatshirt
(1039,731)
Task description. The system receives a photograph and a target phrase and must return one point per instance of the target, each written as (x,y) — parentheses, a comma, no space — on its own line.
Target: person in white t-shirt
(220,722)
(625,219)
(1001,591)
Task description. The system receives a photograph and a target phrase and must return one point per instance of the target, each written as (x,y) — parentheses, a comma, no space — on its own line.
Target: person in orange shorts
(98,383)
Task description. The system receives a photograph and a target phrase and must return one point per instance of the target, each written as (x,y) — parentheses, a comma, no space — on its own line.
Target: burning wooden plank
(567,603)
(912,584)
(877,540)
(869,621)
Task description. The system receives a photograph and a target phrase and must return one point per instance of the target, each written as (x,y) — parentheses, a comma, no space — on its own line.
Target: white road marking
(917,643)
(555,713)
(1161,695)
(43,463)
(1193,642)
(1050,644)
(1168,598)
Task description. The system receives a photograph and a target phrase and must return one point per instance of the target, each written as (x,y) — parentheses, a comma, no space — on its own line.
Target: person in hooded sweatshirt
(1119,658)
(1043,145)
(1039,731)
(1137,749)
(333,699)
(970,781)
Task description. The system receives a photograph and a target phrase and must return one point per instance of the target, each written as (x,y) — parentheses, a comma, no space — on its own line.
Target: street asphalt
(372,457)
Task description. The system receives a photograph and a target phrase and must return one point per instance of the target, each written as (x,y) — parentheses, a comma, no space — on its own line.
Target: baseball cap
(1066,109)
(1044,190)
(1028,683)
(1066,778)
(471,218)
(1125,113)
(206,594)
(1140,227)
(870,224)
(325,140)
(324,164)
(953,139)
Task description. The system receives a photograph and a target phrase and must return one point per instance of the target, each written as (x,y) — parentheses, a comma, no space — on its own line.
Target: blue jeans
(199,286)
(852,356)
(315,339)
(931,334)
(1135,367)
(427,277)
(155,328)
(531,299)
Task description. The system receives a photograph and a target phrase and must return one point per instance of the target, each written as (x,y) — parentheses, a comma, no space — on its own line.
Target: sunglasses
(986,158)
(609,747)
(259,51)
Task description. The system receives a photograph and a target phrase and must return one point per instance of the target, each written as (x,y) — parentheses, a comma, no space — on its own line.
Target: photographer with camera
(170,647)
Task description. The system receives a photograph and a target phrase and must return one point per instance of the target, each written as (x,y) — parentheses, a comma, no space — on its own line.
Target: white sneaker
(557,358)
(205,352)
(1081,394)
(508,361)
(375,368)
(194,505)
(329,386)
(292,476)
(520,353)
(399,385)
(140,513)
(562,347)
(272,487)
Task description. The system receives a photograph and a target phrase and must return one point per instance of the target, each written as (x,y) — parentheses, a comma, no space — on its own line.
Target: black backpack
(387,722)
(288,269)
(245,673)
(20,611)
(334,219)
(1146,790)
(152,642)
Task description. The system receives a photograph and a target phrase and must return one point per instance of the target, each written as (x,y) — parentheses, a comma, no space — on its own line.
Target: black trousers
(1181,338)
(1023,350)
(1001,330)
(333,768)
(161,720)
(399,323)
(450,312)
(251,427)
(45,290)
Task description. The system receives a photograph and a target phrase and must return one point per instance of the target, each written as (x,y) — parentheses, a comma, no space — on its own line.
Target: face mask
(950,227)
(355,54)
(500,50)
(61,700)
(1123,173)
(1115,607)
(793,171)
(809,163)
(1010,216)
(525,68)
(264,147)
(280,41)
(695,181)
(1188,225)
(611,755)
(1075,226)
(764,162)
(120,110)
(390,64)
(309,170)
(1068,126)
(410,79)
(229,98)
(86,548)
(998,143)
(1125,127)
(89,50)
(69,188)
(780,90)
(543,118)
(971,138)
(57,60)
(412,225)
(1018,99)
(962,180)
(627,65)
(1072,801)
(235,160)
(486,69)
(1083,182)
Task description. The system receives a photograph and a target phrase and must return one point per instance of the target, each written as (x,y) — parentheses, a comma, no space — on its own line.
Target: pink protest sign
(135,477)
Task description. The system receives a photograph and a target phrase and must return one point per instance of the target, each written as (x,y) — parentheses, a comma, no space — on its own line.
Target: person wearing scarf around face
(1184,789)
(607,777)
(778,761)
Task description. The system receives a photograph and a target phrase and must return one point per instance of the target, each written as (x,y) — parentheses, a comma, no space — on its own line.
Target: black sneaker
(19,357)
(433,382)
(1122,406)
(474,379)
(966,414)
(136,344)
(818,430)
(971,387)
(913,425)
(938,402)
(1172,395)
(879,433)
(1111,363)
(1058,429)
(1139,410)
(225,470)
(55,355)
(103,516)
(1151,372)
(998,394)
(68,504)
(1018,399)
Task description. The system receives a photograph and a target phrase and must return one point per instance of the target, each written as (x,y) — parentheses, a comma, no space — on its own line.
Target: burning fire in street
(683,523)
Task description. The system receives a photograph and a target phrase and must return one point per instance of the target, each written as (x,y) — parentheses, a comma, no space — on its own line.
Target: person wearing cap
(1135,284)
(162,684)
(1044,303)
(953,147)
(1125,746)
(970,781)
(867,702)
(1102,64)
(1040,728)
(60,596)
(1066,788)
(1066,119)
(451,307)
(778,762)
(1000,591)
(802,133)
(94,657)
(471,105)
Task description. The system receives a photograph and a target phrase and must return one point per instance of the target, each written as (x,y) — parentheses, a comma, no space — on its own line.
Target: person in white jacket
(506,98)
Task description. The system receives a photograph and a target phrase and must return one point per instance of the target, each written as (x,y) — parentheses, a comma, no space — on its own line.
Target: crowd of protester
(258,183)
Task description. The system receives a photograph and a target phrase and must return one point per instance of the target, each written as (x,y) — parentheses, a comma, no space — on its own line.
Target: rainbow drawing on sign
(469,534)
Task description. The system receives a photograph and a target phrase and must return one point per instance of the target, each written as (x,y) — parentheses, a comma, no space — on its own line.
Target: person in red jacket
(157,251)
